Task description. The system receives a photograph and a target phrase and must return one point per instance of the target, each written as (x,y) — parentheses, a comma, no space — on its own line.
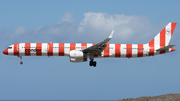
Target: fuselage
(63,49)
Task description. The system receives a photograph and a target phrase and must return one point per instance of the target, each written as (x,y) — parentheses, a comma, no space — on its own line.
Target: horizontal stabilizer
(166,47)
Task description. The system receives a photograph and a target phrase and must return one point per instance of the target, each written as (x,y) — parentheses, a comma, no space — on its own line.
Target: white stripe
(170,49)
(66,49)
(21,49)
(11,51)
(157,43)
(89,44)
(134,50)
(44,49)
(55,49)
(78,46)
(168,35)
(33,51)
(112,50)
(123,50)
(145,50)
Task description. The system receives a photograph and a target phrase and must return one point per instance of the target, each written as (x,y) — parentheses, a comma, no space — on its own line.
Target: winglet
(110,36)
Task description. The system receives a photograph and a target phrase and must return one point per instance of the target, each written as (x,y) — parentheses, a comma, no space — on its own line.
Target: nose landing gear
(21,60)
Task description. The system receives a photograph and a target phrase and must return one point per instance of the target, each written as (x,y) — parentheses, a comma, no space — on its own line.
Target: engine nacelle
(77,56)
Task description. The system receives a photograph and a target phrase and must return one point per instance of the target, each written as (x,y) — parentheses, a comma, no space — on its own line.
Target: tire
(21,62)
(94,63)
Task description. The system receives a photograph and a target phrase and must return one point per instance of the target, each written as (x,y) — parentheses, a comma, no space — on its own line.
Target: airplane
(80,52)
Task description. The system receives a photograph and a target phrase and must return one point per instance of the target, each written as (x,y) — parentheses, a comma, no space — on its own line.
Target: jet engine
(77,56)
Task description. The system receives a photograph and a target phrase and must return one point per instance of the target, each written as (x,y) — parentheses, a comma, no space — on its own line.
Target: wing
(98,48)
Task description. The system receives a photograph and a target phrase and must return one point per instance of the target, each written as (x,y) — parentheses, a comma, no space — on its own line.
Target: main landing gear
(92,63)
(21,60)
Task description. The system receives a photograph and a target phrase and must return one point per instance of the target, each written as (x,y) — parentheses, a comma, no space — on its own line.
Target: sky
(87,21)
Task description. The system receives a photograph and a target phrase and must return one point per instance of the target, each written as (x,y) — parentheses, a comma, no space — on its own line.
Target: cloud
(59,32)
(20,30)
(126,27)
(68,17)
(93,28)
(12,36)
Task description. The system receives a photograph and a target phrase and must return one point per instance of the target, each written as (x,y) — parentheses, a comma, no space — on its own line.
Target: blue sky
(55,78)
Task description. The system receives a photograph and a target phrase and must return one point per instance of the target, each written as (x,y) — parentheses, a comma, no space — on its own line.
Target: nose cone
(5,52)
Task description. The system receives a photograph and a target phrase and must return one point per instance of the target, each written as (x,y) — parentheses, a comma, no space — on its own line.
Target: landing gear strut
(21,60)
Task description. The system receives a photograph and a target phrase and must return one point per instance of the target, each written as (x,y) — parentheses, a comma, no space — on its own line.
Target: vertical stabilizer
(163,38)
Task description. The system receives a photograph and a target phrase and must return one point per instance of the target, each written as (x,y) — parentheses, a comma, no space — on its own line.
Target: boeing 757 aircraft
(79,52)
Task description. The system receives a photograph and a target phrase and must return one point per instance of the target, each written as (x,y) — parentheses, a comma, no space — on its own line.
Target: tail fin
(163,38)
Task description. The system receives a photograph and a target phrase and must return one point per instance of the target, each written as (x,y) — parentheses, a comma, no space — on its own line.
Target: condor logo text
(32,50)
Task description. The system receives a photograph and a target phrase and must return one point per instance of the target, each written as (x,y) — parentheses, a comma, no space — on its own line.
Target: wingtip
(112,31)
(110,36)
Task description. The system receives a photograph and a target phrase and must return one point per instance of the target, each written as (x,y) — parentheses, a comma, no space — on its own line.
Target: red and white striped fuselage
(63,49)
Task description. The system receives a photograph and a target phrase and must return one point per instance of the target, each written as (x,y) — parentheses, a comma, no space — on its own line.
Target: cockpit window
(9,48)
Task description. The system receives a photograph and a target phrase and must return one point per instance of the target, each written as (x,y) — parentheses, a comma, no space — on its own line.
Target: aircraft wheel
(90,63)
(94,63)
(21,62)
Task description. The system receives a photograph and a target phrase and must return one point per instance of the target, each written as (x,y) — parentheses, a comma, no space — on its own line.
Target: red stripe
(39,48)
(173,25)
(162,40)
(50,51)
(140,50)
(106,51)
(27,49)
(117,50)
(128,50)
(61,49)
(84,45)
(152,41)
(151,48)
(95,55)
(16,49)
(72,46)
